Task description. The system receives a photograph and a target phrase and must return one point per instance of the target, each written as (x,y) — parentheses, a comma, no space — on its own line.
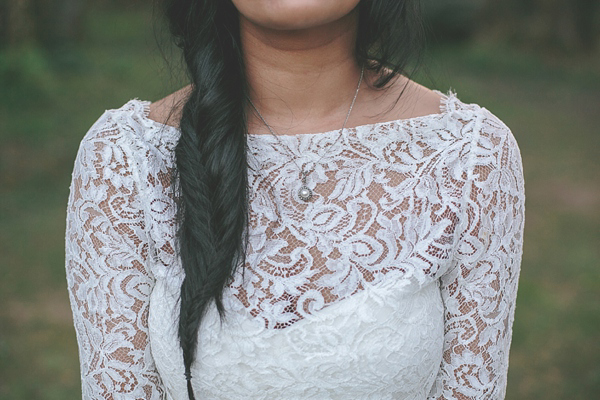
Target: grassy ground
(551,107)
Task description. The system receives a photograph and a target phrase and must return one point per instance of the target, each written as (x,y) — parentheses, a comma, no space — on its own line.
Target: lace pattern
(422,218)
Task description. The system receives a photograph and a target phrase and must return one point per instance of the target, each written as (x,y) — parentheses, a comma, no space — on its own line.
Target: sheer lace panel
(435,200)
(384,206)
(479,291)
(107,268)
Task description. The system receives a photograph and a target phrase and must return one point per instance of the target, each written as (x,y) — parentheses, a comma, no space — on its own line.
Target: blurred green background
(534,63)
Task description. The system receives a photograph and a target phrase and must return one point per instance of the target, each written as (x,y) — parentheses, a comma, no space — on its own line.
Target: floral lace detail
(107,257)
(434,200)
(375,193)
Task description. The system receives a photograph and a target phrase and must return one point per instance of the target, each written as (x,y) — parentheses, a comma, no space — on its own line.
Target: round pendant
(305,193)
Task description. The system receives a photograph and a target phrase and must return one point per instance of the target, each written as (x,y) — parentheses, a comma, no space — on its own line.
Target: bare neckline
(444,107)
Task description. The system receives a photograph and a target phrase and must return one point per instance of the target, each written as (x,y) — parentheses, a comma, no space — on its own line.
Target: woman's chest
(364,224)
(380,211)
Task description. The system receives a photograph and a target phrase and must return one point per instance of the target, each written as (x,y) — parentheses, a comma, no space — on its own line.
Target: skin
(302,72)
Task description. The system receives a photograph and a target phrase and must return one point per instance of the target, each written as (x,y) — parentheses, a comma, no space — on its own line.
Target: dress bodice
(397,280)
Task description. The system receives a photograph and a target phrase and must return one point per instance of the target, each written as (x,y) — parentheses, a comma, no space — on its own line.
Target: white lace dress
(396,281)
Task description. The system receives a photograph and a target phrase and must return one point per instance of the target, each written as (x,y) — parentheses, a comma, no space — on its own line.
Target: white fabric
(396,281)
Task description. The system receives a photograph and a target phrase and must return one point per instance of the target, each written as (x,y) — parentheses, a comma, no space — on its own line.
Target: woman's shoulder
(167,111)
(126,149)
(470,122)
(130,129)
(468,134)
(491,143)
(420,104)
(454,105)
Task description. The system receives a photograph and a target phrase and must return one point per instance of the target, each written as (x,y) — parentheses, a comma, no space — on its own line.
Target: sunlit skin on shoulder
(302,73)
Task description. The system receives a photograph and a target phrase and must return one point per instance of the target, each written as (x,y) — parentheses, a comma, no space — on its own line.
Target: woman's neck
(301,80)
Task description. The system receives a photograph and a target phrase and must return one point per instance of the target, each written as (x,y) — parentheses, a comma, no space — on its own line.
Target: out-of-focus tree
(50,23)
(452,20)
(37,39)
(564,25)
(59,22)
(561,25)
(15,22)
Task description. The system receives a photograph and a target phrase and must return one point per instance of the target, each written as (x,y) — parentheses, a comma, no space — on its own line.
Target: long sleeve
(107,255)
(479,292)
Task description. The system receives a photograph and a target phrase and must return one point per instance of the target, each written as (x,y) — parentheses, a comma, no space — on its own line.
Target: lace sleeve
(479,292)
(108,278)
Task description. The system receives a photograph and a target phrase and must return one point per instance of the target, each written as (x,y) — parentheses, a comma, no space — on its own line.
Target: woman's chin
(294,14)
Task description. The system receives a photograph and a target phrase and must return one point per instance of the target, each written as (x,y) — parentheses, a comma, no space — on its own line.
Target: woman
(301,222)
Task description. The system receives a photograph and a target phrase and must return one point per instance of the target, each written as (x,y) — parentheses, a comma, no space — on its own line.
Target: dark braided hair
(210,178)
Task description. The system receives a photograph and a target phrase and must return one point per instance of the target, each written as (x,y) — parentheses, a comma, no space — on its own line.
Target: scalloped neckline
(445,101)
